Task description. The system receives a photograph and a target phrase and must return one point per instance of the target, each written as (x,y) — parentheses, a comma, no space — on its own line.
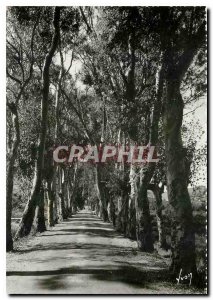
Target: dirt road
(83,255)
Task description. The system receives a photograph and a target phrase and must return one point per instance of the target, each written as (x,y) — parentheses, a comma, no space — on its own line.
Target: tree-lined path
(93,94)
(86,255)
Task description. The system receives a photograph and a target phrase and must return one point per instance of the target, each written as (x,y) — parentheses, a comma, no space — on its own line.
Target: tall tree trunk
(54,197)
(50,205)
(123,170)
(144,227)
(179,59)
(111,211)
(160,224)
(123,204)
(118,223)
(71,187)
(16,139)
(40,218)
(69,202)
(10,175)
(29,212)
(97,207)
(62,213)
(64,192)
(143,219)
(183,236)
(102,194)
(131,231)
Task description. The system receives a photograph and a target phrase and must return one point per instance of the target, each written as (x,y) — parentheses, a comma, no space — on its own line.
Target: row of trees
(140,66)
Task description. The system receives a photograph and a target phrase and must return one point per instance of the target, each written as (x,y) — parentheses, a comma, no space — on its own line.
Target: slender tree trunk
(16,138)
(122,218)
(183,236)
(55,197)
(74,208)
(111,211)
(118,223)
(144,227)
(101,191)
(50,210)
(143,220)
(62,208)
(97,207)
(10,177)
(125,197)
(62,214)
(71,187)
(50,205)
(29,212)
(69,206)
(68,193)
(139,180)
(123,208)
(132,212)
(64,192)
(131,229)
(71,196)
(160,224)
(40,218)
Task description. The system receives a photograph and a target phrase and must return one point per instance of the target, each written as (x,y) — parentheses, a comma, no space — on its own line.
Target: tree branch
(89,30)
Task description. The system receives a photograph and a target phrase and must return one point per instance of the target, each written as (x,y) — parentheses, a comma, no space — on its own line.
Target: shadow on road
(86,249)
(125,274)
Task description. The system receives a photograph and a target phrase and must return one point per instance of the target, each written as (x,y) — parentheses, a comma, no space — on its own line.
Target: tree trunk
(183,236)
(101,193)
(69,201)
(143,220)
(29,212)
(131,231)
(62,207)
(123,208)
(111,211)
(60,198)
(118,223)
(10,177)
(40,218)
(160,224)
(74,208)
(139,180)
(62,213)
(144,227)
(71,187)
(50,207)
(97,207)
(54,193)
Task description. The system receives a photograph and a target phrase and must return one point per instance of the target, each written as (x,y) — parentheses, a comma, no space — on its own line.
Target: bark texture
(29,212)
(143,220)
(102,193)
(40,218)
(50,207)
(182,235)
(10,174)
(160,223)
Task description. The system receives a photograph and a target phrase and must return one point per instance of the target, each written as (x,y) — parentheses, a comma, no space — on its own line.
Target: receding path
(83,255)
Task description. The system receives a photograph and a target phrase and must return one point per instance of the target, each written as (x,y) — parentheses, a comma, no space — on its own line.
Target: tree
(18,79)
(36,197)
(180,45)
